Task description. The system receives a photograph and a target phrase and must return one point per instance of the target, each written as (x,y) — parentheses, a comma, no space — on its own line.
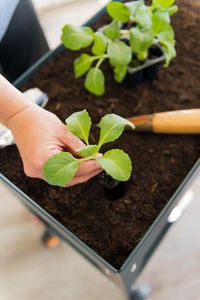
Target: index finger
(88,167)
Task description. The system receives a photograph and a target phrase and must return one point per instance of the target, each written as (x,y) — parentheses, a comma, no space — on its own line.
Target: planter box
(129,271)
(126,274)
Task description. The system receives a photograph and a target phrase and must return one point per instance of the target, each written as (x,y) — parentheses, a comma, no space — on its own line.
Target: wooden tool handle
(175,122)
(178,121)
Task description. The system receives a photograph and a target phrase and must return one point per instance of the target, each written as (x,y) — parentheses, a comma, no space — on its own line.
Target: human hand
(39,134)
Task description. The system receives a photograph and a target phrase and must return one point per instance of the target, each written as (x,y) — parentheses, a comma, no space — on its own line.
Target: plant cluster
(135,27)
(60,168)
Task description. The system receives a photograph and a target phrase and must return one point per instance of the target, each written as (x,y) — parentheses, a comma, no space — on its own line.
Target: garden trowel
(35,95)
(170,122)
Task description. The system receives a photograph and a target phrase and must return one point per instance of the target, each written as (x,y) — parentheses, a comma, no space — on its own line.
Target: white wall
(54,14)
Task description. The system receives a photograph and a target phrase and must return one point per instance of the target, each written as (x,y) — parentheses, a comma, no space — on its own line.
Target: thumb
(72,143)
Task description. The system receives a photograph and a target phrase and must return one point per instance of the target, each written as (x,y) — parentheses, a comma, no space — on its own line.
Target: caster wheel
(140,292)
(50,241)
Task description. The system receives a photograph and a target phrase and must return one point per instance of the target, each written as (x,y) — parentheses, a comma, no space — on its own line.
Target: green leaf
(166,39)
(112,126)
(119,53)
(167,35)
(120,73)
(79,124)
(118,11)
(117,164)
(172,10)
(140,40)
(169,52)
(134,5)
(76,38)
(82,64)
(162,3)
(60,168)
(94,82)
(88,150)
(160,21)
(100,44)
(142,17)
(112,30)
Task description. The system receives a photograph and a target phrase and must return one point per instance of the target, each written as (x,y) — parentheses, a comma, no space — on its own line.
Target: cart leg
(49,240)
(140,291)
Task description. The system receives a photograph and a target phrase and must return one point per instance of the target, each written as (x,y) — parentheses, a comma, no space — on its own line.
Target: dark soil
(160,162)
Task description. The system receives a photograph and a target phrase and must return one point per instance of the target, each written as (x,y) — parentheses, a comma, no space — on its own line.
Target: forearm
(39,134)
(12,101)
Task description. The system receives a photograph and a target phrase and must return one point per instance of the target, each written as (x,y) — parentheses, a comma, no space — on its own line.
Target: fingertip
(99,155)
(81,179)
(87,167)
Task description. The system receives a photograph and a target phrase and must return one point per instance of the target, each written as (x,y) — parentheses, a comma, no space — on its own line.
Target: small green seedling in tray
(126,41)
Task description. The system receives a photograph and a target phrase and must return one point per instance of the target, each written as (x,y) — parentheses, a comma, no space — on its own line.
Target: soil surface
(160,162)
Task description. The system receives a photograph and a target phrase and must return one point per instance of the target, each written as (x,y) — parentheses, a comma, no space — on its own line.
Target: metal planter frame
(129,271)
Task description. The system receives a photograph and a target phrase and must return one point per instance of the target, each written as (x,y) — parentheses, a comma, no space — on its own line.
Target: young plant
(60,168)
(144,26)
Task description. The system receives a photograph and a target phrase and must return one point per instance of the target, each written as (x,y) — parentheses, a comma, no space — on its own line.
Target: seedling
(134,29)
(60,168)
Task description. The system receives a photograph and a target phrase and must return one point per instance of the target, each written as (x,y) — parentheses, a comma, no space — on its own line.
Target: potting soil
(160,162)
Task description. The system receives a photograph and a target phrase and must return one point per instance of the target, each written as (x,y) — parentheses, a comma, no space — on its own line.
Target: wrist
(21,118)
(12,101)
(15,114)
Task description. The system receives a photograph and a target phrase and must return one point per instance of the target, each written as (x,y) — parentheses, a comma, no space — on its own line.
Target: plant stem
(101,60)
(125,33)
(87,158)
(99,56)
(131,20)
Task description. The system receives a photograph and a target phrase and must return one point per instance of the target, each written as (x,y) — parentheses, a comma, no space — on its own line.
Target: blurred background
(54,14)
(29,271)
